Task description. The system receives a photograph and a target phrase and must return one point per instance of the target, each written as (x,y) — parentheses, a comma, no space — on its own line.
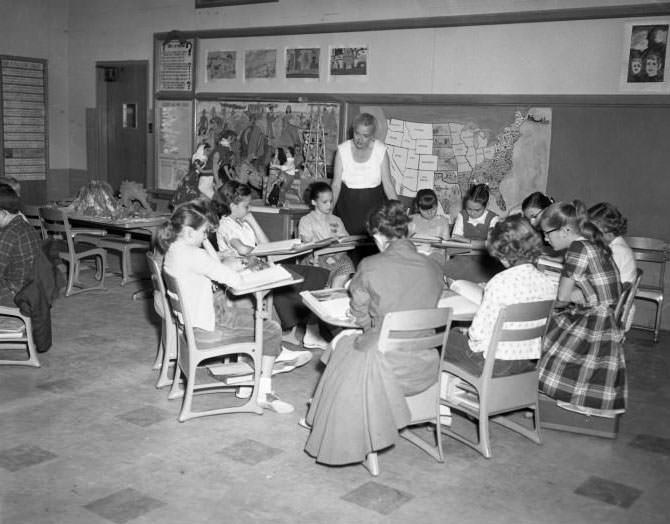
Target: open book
(463,296)
(271,275)
(292,245)
(550,267)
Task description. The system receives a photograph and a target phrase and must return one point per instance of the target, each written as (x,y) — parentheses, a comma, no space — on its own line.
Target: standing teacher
(362,178)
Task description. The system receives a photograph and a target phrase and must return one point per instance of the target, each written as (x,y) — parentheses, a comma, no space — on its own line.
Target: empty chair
(484,396)
(32,214)
(123,245)
(417,329)
(190,356)
(16,333)
(651,254)
(166,354)
(72,252)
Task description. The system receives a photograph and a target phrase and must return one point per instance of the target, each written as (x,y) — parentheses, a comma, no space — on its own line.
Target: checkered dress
(19,246)
(582,361)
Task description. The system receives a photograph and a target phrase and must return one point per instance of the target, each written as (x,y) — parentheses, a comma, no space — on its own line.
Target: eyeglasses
(546,233)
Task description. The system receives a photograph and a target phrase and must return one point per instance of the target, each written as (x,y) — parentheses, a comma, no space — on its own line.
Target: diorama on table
(97,199)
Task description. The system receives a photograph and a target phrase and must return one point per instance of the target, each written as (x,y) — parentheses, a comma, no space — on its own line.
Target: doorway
(121,118)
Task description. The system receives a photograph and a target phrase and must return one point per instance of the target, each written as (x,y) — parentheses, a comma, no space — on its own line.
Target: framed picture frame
(202,4)
(645,63)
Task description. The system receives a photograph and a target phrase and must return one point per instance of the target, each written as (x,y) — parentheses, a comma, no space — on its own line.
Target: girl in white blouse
(195,268)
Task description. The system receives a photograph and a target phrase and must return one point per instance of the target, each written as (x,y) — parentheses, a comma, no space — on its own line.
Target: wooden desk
(141,226)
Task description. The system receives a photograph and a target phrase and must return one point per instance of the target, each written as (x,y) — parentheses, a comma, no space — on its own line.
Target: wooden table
(278,223)
(148,226)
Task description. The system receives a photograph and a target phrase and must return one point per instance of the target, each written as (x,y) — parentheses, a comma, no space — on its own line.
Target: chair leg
(659,313)
(371,463)
(72,275)
(185,412)
(435,452)
(484,440)
(168,354)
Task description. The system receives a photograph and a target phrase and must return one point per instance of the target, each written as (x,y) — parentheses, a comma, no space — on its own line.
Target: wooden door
(122,113)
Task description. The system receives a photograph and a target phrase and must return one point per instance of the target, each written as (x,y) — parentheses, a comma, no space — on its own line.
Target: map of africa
(449,148)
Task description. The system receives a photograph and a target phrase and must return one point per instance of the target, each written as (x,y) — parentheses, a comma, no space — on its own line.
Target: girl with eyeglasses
(582,364)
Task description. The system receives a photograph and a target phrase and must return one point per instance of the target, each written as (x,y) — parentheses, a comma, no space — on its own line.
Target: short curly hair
(515,240)
(390,220)
(608,219)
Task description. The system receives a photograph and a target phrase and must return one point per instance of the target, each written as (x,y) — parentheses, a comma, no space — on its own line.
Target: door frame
(99,164)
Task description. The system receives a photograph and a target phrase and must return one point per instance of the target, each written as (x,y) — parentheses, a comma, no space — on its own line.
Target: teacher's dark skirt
(353,207)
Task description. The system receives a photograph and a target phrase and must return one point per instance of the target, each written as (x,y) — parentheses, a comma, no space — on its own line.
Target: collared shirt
(19,246)
(624,259)
(459,225)
(316,227)
(231,229)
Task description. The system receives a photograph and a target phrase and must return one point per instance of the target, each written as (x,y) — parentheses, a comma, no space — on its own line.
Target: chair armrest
(92,232)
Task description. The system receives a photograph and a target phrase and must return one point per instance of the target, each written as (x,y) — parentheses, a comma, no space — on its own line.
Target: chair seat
(10,326)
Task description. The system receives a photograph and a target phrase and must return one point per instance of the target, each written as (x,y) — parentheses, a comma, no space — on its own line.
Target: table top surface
(123,223)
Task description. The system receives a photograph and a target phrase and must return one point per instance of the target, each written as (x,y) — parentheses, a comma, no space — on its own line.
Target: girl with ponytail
(582,361)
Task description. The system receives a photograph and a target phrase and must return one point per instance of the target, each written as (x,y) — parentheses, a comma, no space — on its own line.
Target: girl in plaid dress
(582,362)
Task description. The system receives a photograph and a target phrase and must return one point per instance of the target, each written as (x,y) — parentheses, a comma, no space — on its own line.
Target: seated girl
(359,403)
(516,244)
(239,230)
(181,239)
(582,364)
(474,223)
(426,223)
(321,224)
(613,226)
(533,206)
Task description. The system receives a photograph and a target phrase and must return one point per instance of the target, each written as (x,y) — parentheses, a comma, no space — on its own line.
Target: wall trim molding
(649,9)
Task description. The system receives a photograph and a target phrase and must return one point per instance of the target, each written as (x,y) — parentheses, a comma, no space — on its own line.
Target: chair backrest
(653,262)
(57,225)
(420,328)
(180,315)
(503,331)
(32,214)
(626,299)
(154,262)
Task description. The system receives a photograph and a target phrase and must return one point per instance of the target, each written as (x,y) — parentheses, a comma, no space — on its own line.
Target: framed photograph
(302,62)
(645,57)
(260,63)
(348,61)
(201,4)
(221,64)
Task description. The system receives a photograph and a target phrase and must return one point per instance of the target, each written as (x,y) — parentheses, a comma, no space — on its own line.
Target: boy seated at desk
(517,245)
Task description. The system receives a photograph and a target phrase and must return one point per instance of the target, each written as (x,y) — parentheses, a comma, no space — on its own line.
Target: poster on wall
(24,142)
(174,119)
(646,59)
(260,63)
(449,148)
(348,61)
(175,65)
(221,64)
(256,129)
(302,62)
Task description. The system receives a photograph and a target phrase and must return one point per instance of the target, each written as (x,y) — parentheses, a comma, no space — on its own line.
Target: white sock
(264,386)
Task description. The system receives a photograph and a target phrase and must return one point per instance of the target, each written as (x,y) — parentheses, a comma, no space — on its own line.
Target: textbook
(292,245)
(550,267)
(271,275)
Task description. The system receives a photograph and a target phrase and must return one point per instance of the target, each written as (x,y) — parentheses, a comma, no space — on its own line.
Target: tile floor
(87,438)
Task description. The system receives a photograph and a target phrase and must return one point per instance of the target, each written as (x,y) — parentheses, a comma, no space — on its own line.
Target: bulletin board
(24,146)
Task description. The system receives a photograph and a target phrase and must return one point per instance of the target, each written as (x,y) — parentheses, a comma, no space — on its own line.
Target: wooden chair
(32,214)
(485,397)
(166,354)
(190,356)
(422,329)
(16,332)
(652,254)
(57,226)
